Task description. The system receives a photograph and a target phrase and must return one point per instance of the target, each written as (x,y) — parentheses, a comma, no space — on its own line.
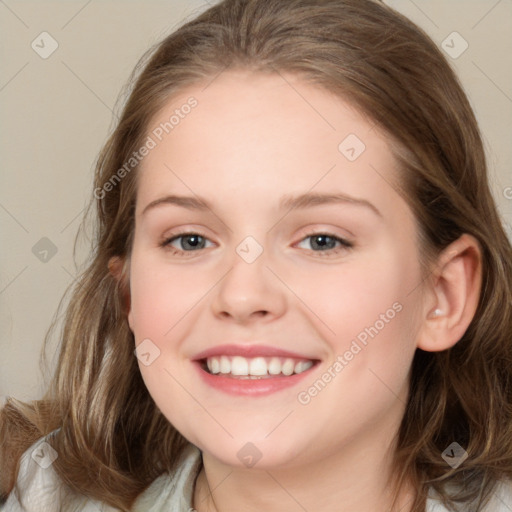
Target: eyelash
(345,244)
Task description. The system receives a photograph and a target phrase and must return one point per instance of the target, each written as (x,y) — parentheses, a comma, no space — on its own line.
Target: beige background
(56,113)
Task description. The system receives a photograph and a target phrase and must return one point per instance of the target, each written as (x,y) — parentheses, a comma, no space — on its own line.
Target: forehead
(252,136)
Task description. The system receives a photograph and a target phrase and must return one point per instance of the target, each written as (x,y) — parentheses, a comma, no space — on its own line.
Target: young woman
(300,297)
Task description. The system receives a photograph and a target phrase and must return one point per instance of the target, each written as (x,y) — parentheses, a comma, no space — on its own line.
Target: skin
(252,140)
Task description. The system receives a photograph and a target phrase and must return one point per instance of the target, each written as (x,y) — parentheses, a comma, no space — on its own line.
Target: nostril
(260,314)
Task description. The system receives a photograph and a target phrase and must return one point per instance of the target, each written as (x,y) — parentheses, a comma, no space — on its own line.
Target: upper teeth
(257,366)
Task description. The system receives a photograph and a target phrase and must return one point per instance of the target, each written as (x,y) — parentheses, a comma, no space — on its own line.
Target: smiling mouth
(238,367)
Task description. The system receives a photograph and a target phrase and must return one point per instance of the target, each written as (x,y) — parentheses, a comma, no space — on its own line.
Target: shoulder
(38,488)
(173,492)
(500,501)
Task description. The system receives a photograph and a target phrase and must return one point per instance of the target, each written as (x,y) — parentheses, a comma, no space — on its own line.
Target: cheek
(162,295)
(367,291)
(368,323)
(370,339)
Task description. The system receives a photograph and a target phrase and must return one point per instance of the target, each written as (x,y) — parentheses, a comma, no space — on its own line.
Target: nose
(248,292)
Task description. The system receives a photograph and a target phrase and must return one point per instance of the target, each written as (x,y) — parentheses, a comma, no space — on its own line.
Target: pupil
(192,241)
(322,241)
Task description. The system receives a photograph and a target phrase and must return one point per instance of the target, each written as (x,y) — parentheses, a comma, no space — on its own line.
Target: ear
(453,296)
(119,268)
(115,267)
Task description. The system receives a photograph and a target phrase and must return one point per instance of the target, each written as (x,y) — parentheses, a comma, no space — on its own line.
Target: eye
(186,242)
(317,242)
(325,243)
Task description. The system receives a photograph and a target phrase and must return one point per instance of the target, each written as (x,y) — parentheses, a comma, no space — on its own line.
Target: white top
(42,490)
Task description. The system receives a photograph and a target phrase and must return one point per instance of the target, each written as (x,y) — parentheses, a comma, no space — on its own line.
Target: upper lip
(249,351)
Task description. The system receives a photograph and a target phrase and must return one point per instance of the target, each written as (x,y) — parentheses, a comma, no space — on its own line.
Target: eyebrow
(314,199)
(287,202)
(189,202)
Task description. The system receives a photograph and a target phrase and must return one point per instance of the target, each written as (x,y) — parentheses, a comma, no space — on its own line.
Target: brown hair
(378,60)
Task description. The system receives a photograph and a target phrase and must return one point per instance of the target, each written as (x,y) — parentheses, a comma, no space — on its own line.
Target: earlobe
(454,297)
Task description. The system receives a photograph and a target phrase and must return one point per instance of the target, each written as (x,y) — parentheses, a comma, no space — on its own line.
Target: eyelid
(182,232)
(165,242)
(307,232)
(345,243)
(175,236)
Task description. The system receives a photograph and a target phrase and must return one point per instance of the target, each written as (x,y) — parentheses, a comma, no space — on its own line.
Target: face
(274,292)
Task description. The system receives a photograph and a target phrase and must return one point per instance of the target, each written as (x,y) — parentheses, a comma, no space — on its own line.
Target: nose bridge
(249,289)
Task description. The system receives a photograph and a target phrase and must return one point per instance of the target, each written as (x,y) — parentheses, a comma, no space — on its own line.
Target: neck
(353,478)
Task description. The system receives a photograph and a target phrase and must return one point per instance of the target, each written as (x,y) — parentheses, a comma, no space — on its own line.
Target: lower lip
(250,387)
